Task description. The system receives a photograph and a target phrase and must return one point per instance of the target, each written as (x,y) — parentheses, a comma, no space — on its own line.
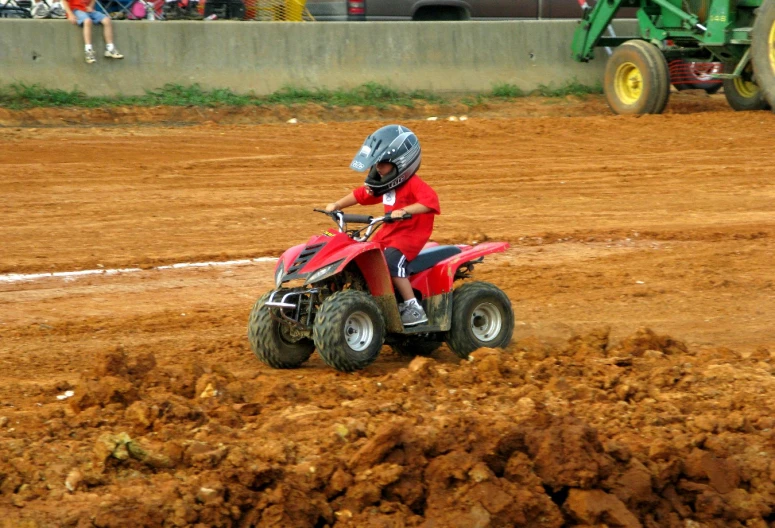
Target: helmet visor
(365,159)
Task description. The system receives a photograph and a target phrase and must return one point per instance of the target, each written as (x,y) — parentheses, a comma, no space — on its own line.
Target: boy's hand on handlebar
(330,208)
(399,214)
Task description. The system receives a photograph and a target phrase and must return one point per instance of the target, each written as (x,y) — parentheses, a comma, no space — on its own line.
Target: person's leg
(411,311)
(87,32)
(404,287)
(83,20)
(110,49)
(107,25)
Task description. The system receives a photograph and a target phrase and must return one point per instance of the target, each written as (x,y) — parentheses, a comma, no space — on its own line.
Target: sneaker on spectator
(57,11)
(40,10)
(413,314)
(90,57)
(113,54)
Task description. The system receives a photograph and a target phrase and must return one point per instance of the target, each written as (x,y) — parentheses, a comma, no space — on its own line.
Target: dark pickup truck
(343,10)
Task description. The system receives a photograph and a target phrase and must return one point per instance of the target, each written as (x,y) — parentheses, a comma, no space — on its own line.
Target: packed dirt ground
(637,390)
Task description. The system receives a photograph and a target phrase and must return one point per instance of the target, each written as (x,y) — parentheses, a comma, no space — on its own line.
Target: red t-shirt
(408,236)
(78,5)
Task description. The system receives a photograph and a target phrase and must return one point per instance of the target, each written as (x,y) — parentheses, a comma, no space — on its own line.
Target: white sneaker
(113,54)
(90,57)
(41,10)
(413,314)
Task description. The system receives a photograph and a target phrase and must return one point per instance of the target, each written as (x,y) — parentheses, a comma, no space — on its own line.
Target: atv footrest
(423,328)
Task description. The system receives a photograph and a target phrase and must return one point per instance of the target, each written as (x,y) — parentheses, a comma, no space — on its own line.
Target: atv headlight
(279,274)
(322,273)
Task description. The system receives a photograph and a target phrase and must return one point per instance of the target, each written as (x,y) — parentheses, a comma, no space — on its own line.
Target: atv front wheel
(349,330)
(272,341)
(481,317)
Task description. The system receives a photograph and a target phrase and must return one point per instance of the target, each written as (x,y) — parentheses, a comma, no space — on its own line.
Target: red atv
(334,294)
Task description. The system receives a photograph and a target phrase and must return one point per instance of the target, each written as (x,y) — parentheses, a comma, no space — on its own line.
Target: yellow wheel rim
(628,83)
(746,88)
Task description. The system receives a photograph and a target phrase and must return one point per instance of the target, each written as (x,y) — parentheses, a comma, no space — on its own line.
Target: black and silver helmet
(394,144)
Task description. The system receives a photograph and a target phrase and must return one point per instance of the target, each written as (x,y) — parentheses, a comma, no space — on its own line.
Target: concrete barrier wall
(265,56)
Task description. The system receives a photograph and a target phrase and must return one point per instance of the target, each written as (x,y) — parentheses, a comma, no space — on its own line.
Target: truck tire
(763,50)
(271,341)
(349,330)
(481,317)
(415,345)
(637,79)
(742,93)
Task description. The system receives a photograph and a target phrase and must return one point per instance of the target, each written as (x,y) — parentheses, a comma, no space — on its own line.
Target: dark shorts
(396,262)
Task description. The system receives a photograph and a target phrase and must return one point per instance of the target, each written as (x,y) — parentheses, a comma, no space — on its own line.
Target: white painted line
(72,275)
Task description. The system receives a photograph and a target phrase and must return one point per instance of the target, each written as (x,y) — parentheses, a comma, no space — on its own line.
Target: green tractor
(740,34)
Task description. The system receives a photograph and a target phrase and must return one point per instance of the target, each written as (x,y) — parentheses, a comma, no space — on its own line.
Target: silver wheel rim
(486,322)
(358,331)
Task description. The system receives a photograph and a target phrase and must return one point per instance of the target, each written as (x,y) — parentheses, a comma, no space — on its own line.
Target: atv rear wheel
(481,317)
(272,342)
(415,345)
(763,49)
(349,330)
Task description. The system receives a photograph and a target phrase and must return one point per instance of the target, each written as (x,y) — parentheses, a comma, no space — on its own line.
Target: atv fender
(289,256)
(441,277)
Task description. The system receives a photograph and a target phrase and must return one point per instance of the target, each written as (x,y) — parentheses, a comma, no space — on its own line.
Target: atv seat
(430,257)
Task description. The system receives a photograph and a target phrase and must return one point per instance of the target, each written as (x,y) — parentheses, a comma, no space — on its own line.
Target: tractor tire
(349,330)
(637,79)
(481,317)
(742,93)
(415,345)
(271,342)
(763,50)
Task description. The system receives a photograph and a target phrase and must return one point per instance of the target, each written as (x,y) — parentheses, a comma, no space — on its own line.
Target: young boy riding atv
(339,293)
(392,155)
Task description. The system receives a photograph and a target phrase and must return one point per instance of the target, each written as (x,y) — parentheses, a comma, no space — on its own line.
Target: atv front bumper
(295,306)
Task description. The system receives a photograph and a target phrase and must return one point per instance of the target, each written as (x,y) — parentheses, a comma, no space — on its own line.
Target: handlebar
(372,223)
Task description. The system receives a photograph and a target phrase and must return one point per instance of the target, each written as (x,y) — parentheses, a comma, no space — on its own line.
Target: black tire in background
(742,93)
(637,80)
(763,50)
(349,330)
(481,317)
(271,342)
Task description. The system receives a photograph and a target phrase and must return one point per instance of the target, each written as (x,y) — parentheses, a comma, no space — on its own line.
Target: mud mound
(645,432)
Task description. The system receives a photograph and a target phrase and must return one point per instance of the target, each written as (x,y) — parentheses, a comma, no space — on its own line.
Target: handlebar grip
(356,219)
(389,219)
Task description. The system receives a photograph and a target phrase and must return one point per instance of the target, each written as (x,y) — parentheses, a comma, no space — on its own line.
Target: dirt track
(637,391)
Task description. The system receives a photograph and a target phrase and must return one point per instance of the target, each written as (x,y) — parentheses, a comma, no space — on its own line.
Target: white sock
(88,47)
(411,302)
(110,47)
